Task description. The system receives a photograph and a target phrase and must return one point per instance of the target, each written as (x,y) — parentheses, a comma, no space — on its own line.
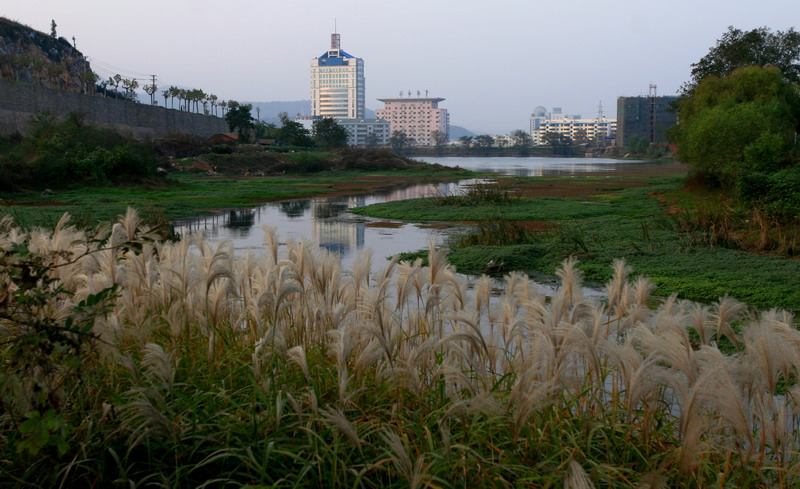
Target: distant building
(647,117)
(419,118)
(542,122)
(366,132)
(337,83)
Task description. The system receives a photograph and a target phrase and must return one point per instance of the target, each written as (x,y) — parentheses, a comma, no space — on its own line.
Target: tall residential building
(593,129)
(337,83)
(646,117)
(419,118)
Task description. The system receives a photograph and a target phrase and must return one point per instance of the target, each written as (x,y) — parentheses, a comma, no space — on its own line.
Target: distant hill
(270,110)
(458,131)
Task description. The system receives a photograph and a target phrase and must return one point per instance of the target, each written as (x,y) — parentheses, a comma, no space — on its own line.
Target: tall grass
(196,368)
(477,194)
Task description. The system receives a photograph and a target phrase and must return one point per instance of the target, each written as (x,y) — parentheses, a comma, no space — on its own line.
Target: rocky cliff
(30,56)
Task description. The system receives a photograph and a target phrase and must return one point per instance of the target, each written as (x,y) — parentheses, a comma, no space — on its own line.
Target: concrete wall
(20,101)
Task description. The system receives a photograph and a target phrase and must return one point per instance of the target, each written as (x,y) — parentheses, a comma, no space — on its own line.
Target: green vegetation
(127,361)
(739,124)
(191,196)
(69,153)
(672,250)
(240,119)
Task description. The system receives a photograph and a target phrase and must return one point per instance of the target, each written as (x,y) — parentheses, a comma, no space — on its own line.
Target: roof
(340,60)
(411,99)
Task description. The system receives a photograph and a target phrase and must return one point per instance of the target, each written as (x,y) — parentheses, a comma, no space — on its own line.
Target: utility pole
(153,91)
(652,113)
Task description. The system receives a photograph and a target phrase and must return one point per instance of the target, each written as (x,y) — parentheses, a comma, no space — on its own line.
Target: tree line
(739,119)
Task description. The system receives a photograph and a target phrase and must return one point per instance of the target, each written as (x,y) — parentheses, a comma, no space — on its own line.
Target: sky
(492,61)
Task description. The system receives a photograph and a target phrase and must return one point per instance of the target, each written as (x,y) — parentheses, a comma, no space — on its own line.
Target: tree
(440,138)
(53,26)
(581,138)
(293,133)
(758,47)
(130,86)
(521,139)
(637,145)
(240,119)
(742,123)
(328,133)
(561,144)
(267,130)
(466,141)
(484,141)
(151,90)
(399,140)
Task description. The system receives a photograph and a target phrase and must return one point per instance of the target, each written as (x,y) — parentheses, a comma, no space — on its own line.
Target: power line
(117,68)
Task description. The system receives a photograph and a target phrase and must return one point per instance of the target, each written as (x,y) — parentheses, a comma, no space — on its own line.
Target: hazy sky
(493,61)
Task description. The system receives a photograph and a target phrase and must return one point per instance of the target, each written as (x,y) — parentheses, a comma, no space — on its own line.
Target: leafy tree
(521,139)
(561,144)
(240,119)
(439,138)
(637,145)
(399,141)
(465,140)
(266,130)
(151,90)
(757,47)
(484,141)
(328,133)
(742,123)
(581,138)
(293,133)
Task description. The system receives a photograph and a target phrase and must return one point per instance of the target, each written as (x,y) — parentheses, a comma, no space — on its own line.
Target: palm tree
(213,100)
(173,93)
(165,93)
(224,105)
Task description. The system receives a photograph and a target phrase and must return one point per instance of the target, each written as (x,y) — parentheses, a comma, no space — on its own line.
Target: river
(325,220)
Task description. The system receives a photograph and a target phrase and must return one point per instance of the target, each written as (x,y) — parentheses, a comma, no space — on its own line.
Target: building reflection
(295,208)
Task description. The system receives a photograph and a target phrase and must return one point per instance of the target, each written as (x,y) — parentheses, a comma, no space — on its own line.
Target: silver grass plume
(159,366)
(336,418)
(576,477)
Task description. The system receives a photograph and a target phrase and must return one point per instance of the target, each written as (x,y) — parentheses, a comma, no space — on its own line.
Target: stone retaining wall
(20,101)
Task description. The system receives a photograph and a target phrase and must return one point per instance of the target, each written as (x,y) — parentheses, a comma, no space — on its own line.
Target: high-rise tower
(337,83)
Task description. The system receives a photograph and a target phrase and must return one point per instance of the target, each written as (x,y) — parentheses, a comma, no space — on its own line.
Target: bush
(222,149)
(777,194)
(59,154)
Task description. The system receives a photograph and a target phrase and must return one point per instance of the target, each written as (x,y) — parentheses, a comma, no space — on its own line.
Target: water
(536,166)
(325,220)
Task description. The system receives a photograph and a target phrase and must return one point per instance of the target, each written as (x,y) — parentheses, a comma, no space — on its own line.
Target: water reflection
(534,166)
(295,208)
(325,221)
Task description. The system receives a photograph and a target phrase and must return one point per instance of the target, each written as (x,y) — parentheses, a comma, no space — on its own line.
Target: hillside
(30,56)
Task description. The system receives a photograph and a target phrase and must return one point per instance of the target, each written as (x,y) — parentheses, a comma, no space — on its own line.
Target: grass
(190,196)
(179,365)
(628,224)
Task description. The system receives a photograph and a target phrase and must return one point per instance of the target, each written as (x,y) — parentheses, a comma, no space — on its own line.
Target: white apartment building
(419,118)
(542,122)
(366,132)
(337,83)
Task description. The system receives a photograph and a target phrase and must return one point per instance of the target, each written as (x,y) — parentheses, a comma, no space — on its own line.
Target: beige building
(419,118)
(337,83)
(543,122)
